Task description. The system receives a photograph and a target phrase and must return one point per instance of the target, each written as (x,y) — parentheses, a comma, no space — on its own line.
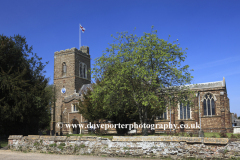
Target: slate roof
(84,88)
(216,84)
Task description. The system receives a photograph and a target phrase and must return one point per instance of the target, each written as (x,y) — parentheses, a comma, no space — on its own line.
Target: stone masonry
(71,81)
(148,146)
(220,121)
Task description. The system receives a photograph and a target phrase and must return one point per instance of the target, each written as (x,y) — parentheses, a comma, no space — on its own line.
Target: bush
(214,136)
(223,135)
(191,134)
(176,134)
(233,136)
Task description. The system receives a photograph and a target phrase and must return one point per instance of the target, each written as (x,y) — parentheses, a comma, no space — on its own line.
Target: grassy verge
(207,135)
(3,143)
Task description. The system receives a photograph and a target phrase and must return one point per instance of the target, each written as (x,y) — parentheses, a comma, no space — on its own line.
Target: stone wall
(137,146)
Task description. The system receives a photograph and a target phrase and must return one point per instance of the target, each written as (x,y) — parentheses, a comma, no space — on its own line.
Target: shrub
(191,134)
(214,136)
(233,136)
(176,134)
(223,135)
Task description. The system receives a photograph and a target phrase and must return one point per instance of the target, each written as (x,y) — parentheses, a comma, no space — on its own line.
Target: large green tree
(146,70)
(95,110)
(24,98)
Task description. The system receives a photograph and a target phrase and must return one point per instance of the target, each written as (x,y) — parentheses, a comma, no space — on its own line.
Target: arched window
(74,108)
(64,69)
(163,115)
(184,111)
(80,70)
(85,71)
(208,105)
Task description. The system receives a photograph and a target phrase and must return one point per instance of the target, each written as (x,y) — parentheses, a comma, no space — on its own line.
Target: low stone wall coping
(33,137)
(15,137)
(134,146)
(89,138)
(74,138)
(170,139)
(47,138)
(60,138)
(125,139)
(216,140)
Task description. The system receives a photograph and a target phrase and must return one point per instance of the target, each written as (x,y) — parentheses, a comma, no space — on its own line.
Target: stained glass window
(208,105)
(184,111)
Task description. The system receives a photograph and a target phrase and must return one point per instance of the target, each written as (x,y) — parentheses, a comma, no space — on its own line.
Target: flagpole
(79,37)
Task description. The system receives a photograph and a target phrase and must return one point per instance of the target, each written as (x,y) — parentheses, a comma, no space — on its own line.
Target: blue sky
(209,29)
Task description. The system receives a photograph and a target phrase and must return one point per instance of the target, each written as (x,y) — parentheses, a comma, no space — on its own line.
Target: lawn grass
(206,134)
(3,143)
(211,134)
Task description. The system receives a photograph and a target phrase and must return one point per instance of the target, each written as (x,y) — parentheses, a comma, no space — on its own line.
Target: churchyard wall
(133,146)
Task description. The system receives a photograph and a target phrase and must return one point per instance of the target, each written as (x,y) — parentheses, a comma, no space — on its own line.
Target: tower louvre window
(80,70)
(64,69)
(85,71)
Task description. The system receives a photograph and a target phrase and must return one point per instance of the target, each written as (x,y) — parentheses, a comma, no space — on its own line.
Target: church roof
(216,84)
(84,88)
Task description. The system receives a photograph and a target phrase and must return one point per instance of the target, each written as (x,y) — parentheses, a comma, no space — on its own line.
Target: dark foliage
(24,99)
(223,135)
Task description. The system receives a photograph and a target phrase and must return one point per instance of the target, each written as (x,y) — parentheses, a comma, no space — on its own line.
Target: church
(211,110)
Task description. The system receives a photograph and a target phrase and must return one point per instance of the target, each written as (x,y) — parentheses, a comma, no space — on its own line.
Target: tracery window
(64,69)
(208,105)
(80,70)
(184,111)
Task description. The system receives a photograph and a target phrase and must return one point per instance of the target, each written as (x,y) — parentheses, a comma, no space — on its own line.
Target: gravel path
(14,155)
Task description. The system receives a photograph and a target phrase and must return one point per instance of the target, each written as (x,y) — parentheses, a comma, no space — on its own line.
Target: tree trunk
(145,129)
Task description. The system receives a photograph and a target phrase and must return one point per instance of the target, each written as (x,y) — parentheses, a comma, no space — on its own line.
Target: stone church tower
(71,71)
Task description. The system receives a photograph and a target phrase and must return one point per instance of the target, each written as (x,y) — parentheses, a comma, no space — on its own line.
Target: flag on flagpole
(81,27)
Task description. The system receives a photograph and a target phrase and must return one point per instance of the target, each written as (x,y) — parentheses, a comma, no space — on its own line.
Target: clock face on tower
(63,90)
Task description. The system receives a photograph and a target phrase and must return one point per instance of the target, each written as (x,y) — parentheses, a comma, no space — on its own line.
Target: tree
(124,115)
(23,95)
(145,70)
